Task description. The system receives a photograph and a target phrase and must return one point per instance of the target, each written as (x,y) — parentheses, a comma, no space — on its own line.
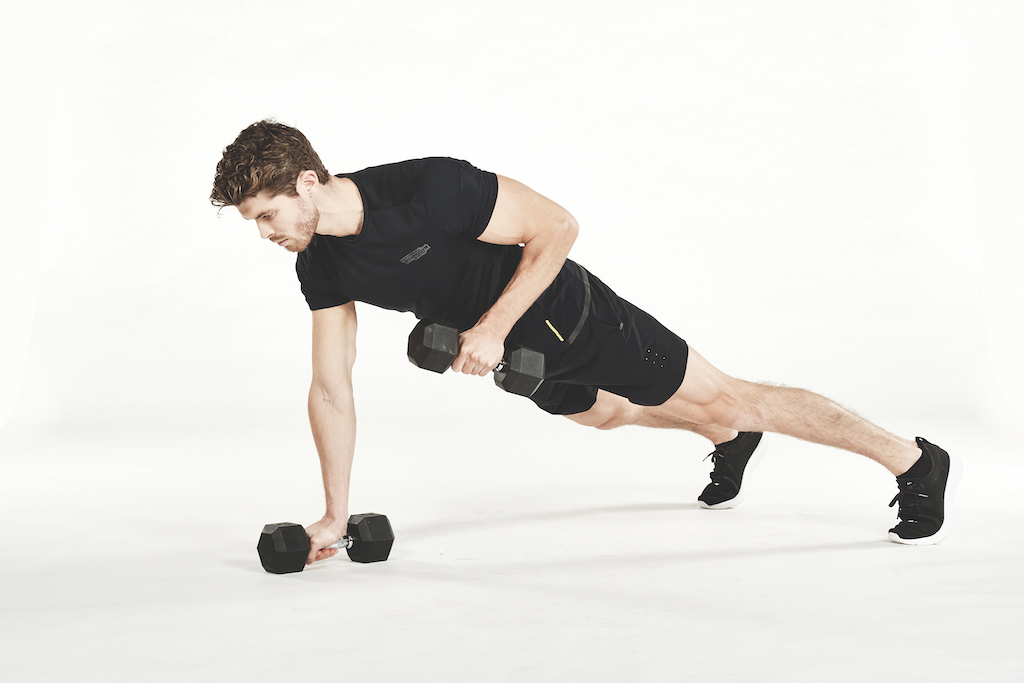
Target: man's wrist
(335,521)
(492,324)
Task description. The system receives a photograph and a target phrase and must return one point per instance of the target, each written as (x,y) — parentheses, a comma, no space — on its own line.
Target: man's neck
(340,207)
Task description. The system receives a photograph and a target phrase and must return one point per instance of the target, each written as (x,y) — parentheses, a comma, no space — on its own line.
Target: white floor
(541,553)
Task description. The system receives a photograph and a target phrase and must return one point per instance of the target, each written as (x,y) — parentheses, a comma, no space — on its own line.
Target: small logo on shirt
(417,253)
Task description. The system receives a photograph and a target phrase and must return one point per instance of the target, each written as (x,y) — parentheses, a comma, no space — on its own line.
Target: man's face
(287,221)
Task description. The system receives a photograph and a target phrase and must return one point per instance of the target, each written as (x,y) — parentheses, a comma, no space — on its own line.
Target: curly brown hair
(265,156)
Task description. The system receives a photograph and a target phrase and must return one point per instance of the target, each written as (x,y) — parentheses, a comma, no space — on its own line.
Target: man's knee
(609,412)
(726,410)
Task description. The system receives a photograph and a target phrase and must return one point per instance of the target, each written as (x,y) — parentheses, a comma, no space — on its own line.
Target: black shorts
(621,349)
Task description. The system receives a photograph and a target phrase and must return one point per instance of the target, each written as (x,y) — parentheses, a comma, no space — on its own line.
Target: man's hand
(480,351)
(322,534)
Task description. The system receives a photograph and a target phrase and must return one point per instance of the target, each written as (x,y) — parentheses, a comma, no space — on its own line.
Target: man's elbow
(553,234)
(570,229)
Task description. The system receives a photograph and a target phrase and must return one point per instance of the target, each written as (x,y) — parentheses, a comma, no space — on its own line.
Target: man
(488,255)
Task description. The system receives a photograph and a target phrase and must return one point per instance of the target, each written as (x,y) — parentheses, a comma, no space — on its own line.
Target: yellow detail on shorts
(554,330)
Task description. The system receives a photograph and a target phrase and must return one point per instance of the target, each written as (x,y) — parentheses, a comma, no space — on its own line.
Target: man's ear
(306,183)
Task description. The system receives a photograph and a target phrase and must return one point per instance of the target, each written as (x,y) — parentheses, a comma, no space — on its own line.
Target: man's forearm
(333,422)
(541,261)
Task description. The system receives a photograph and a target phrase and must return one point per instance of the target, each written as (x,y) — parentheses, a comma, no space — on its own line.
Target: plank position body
(486,254)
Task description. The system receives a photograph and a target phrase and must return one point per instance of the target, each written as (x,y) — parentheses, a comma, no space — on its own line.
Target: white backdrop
(820,194)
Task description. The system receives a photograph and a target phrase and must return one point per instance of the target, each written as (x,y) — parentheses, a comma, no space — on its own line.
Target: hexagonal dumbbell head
(372,537)
(522,374)
(283,548)
(433,346)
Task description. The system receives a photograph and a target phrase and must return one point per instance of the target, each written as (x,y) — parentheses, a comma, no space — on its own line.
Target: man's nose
(265,230)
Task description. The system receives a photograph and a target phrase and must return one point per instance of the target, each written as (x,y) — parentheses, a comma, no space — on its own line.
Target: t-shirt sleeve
(468,214)
(313,288)
(317,300)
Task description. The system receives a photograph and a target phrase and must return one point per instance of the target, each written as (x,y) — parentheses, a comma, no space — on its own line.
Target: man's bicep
(334,346)
(520,214)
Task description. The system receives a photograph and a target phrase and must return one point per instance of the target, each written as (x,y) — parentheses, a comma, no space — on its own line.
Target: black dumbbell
(284,547)
(433,346)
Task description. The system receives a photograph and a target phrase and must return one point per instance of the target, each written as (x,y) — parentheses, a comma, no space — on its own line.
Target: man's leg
(734,456)
(711,403)
(718,407)
(709,396)
(925,474)
(611,411)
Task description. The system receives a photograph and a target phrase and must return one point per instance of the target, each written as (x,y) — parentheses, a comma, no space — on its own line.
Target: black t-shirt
(418,251)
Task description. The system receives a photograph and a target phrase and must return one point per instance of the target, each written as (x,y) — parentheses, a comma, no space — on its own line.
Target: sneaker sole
(956,470)
(763,447)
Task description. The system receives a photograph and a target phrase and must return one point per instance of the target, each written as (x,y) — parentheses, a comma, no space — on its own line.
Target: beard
(309,218)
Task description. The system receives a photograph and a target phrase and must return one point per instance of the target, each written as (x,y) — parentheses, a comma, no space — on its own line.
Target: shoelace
(909,498)
(717,455)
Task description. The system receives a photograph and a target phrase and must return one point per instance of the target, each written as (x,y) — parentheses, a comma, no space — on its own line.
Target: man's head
(267,156)
(261,173)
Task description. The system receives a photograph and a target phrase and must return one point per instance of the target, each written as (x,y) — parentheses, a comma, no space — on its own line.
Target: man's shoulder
(421,165)
(429,179)
(311,260)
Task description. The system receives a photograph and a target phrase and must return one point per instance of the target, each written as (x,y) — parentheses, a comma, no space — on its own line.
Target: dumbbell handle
(343,543)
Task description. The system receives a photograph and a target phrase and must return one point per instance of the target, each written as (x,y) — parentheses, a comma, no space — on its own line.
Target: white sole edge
(763,448)
(956,470)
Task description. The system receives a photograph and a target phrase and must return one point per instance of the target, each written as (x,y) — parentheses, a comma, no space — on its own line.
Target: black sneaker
(731,460)
(924,501)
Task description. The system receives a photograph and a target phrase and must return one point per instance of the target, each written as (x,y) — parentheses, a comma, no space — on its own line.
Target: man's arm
(332,417)
(547,232)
